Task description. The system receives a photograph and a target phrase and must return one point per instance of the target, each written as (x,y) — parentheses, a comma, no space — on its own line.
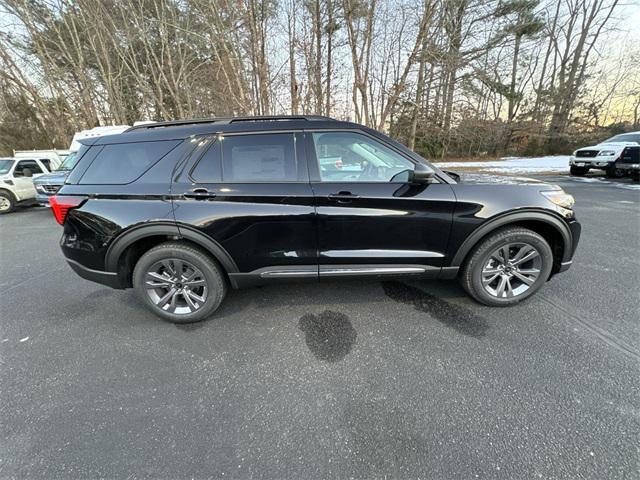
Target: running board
(313,272)
(375,270)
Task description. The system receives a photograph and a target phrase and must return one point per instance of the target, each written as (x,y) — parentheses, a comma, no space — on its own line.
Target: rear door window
(122,163)
(208,169)
(259,158)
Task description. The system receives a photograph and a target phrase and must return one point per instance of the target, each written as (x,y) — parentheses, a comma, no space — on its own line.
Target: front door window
(353,157)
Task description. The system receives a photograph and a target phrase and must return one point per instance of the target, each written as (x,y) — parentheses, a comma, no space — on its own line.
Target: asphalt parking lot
(335,380)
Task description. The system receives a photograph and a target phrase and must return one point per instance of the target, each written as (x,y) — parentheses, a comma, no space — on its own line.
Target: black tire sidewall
(489,247)
(215,281)
(578,171)
(614,172)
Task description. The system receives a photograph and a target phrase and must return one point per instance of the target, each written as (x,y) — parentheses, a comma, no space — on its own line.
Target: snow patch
(589,180)
(628,187)
(552,163)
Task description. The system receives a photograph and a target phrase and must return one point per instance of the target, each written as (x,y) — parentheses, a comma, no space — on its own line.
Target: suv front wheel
(179,282)
(578,171)
(6,202)
(507,267)
(614,172)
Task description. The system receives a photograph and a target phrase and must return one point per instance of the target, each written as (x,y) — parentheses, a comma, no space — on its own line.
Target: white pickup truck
(604,156)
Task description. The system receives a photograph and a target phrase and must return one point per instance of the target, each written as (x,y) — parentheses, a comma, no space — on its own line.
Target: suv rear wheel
(507,267)
(179,283)
(6,202)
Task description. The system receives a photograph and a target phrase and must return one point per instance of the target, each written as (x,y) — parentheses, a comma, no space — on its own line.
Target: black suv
(181,210)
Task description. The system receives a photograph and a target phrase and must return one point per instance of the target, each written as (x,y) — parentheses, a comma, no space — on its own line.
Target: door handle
(343,197)
(199,194)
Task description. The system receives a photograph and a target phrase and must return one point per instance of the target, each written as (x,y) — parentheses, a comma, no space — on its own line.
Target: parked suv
(181,210)
(606,156)
(16,181)
(47,185)
(629,162)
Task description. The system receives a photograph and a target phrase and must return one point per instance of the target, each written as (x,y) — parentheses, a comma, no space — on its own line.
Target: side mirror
(454,175)
(26,172)
(422,173)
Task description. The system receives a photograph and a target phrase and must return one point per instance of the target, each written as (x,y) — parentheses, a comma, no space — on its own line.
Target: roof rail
(227,120)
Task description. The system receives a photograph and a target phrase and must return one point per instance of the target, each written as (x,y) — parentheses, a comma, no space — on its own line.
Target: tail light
(339,164)
(61,204)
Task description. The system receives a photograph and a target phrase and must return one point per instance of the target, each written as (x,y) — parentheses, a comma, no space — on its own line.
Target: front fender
(508,218)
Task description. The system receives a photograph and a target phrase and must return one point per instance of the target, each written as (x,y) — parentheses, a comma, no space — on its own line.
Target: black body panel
(257,224)
(383,223)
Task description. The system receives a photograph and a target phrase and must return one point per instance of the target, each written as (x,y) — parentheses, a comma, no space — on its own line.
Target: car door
(250,193)
(24,184)
(630,156)
(370,217)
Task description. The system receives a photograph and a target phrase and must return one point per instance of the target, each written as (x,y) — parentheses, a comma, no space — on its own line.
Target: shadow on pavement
(454,316)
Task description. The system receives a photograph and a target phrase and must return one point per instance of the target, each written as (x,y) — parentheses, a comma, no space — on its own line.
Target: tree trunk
(327,108)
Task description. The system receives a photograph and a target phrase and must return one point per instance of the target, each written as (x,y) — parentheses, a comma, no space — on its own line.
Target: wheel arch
(553,229)
(10,193)
(127,248)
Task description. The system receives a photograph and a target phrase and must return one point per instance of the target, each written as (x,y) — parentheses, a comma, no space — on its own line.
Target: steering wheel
(369,171)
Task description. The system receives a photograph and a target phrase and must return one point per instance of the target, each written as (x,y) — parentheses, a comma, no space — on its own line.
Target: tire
(7,202)
(578,171)
(614,172)
(206,289)
(483,264)
(635,176)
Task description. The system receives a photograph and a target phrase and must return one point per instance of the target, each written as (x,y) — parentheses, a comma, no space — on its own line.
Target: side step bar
(313,272)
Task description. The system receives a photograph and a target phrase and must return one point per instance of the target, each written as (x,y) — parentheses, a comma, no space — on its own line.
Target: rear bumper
(109,279)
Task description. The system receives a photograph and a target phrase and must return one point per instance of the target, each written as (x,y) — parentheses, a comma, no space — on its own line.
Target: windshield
(69,162)
(5,166)
(625,137)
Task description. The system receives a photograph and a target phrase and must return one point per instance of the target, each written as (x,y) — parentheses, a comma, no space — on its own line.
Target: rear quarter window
(122,163)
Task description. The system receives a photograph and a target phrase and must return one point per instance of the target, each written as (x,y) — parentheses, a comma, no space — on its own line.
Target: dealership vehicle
(181,210)
(51,159)
(604,156)
(16,181)
(630,162)
(48,185)
(95,132)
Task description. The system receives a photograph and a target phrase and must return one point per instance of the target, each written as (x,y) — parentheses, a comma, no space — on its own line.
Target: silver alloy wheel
(511,270)
(5,204)
(176,286)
